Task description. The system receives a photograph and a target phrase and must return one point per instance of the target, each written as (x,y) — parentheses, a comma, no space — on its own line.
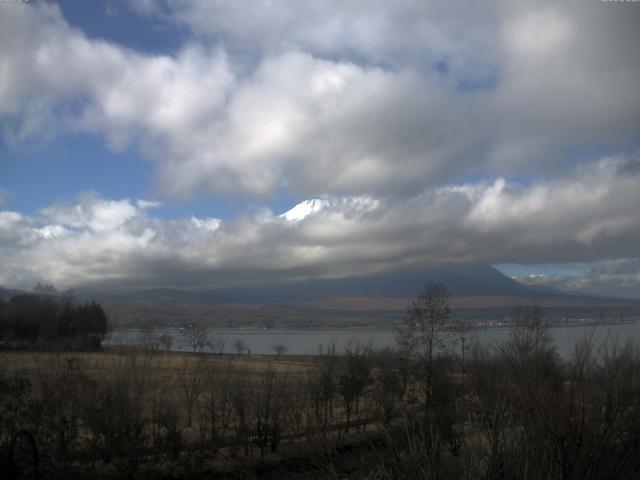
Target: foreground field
(124,411)
(512,411)
(168,365)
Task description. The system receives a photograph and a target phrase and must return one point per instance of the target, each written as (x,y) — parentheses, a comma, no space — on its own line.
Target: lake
(308,342)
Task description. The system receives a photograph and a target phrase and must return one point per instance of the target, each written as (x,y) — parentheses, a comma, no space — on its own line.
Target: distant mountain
(461,280)
(478,292)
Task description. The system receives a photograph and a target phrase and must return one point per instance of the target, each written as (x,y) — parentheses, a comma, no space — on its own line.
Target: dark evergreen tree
(51,320)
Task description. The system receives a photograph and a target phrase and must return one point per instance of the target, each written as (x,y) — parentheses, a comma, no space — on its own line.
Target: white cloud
(53,231)
(377,31)
(91,212)
(13,227)
(209,224)
(377,110)
(96,240)
(608,286)
(146,204)
(337,98)
(595,205)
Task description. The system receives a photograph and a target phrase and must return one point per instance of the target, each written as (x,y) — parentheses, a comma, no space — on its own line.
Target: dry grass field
(168,365)
(223,412)
(138,412)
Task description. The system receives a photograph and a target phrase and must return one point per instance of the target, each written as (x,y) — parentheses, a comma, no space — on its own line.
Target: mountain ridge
(461,280)
(479,292)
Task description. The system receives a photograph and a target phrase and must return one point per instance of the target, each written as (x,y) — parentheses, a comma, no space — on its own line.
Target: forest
(51,322)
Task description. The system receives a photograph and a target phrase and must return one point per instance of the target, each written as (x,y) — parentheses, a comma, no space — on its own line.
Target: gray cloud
(98,240)
(340,98)
(618,266)
(608,286)
(376,32)
(380,110)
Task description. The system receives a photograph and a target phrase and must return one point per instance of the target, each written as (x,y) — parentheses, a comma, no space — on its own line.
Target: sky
(198,143)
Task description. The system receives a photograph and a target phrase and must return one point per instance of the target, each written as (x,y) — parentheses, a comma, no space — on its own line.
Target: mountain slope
(461,280)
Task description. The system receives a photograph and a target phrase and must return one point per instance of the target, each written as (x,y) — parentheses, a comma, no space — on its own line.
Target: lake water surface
(308,342)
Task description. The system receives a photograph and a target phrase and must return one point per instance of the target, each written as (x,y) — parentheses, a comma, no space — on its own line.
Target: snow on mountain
(304,209)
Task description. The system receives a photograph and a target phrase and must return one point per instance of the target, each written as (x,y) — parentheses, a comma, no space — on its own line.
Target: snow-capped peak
(304,209)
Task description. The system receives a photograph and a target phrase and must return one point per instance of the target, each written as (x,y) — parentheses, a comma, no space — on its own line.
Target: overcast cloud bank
(588,216)
(427,132)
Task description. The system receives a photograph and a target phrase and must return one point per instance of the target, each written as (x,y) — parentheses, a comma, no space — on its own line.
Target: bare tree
(353,380)
(166,341)
(149,339)
(530,351)
(270,406)
(388,385)
(216,408)
(117,411)
(279,349)
(195,337)
(422,332)
(299,403)
(328,383)
(239,346)
(217,343)
(241,394)
(190,377)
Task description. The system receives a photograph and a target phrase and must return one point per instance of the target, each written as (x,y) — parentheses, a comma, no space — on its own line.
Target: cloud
(333,98)
(58,79)
(618,266)
(420,132)
(533,64)
(608,286)
(101,241)
(14,229)
(208,224)
(376,31)
(92,213)
(600,203)
(146,204)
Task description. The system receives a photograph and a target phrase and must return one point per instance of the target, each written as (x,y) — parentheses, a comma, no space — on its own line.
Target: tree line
(47,321)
